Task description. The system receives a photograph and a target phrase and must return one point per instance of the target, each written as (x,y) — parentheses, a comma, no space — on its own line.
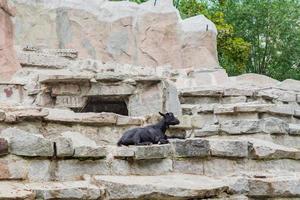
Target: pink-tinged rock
(8,62)
(120,31)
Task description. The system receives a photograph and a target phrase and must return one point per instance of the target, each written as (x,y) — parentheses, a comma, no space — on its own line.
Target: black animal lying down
(152,134)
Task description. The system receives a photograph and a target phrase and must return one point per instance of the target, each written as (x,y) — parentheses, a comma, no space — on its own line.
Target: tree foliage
(273,29)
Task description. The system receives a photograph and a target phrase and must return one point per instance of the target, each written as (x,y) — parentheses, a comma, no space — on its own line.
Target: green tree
(273,29)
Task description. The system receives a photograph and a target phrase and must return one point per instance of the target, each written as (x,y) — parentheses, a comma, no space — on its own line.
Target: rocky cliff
(62,114)
(123,32)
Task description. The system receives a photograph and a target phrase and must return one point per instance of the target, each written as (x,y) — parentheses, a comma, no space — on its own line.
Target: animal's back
(128,137)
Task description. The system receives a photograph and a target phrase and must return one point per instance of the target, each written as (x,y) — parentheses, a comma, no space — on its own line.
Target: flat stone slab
(66,116)
(144,152)
(277,186)
(203,91)
(190,148)
(294,129)
(13,190)
(104,118)
(83,146)
(175,186)
(261,149)
(242,107)
(17,114)
(50,190)
(43,60)
(27,144)
(270,125)
(228,148)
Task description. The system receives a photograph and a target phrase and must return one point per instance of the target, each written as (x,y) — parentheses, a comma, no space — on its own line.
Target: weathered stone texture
(123,32)
(27,144)
(191,148)
(8,61)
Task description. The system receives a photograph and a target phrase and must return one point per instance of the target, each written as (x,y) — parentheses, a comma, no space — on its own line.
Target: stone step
(271,94)
(187,186)
(275,187)
(236,108)
(75,145)
(270,125)
(18,114)
(51,190)
(178,186)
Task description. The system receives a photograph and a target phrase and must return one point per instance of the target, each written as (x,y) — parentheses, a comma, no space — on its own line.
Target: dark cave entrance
(105,104)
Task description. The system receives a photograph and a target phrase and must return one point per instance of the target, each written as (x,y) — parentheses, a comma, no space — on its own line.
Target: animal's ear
(161,114)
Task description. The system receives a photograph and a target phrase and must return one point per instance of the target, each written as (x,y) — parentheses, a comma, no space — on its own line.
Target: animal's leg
(163,141)
(144,143)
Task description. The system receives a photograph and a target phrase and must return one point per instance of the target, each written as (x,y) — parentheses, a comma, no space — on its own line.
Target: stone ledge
(43,60)
(143,152)
(270,187)
(44,78)
(67,116)
(294,129)
(178,186)
(269,125)
(202,92)
(190,148)
(271,93)
(228,148)
(260,149)
(22,143)
(257,108)
(51,190)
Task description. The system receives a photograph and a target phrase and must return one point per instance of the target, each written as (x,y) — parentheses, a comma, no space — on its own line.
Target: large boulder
(123,31)
(27,144)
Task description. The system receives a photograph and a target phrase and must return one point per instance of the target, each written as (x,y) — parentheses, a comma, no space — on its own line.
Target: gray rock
(202,91)
(124,152)
(261,149)
(178,186)
(228,148)
(190,148)
(64,147)
(240,126)
(274,125)
(67,190)
(89,152)
(152,152)
(294,129)
(270,187)
(66,116)
(27,144)
(51,190)
(207,130)
(83,146)
(143,152)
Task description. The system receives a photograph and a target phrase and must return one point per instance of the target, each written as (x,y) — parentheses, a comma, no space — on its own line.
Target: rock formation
(123,32)
(62,114)
(8,62)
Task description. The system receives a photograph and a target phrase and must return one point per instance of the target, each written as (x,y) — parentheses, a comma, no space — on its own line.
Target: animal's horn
(161,114)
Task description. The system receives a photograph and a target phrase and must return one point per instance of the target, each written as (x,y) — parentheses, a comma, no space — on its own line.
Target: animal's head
(170,119)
